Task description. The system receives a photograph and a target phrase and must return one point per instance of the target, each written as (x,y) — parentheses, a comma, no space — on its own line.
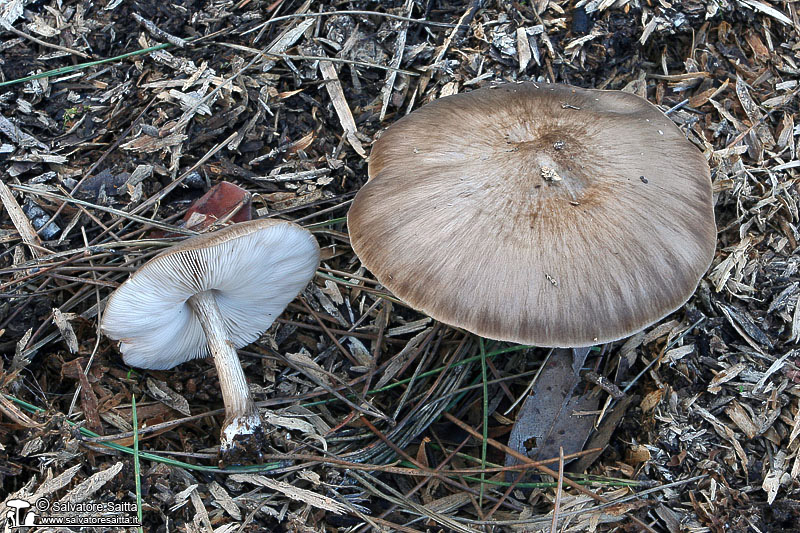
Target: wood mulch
(378,409)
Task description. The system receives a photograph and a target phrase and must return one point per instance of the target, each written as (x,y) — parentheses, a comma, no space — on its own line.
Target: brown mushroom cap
(537,213)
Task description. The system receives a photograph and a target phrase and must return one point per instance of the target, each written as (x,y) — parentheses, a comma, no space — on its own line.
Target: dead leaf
(638,453)
(547,420)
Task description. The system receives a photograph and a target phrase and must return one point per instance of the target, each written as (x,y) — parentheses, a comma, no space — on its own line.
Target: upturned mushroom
(541,214)
(209,295)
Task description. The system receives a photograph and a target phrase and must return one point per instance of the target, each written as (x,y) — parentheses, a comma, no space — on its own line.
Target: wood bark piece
(20,221)
(336,93)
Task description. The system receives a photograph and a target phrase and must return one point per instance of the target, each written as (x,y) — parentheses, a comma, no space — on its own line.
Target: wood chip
(400,360)
(89,402)
(294,424)
(796,321)
(306,496)
(753,113)
(360,352)
(62,323)
(524,53)
(58,482)
(308,366)
(224,500)
(18,136)
(746,327)
(201,513)
(285,40)
(742,419)
(774,367)
(148,144)
(411,327)
(182,498)
(161,392)
(20,221)
(725,376)
(334,88)
(769,10)
(89,486)
(399,47)
(676,354)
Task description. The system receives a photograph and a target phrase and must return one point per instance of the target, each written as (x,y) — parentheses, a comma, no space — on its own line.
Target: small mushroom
(209,295)
(537,213)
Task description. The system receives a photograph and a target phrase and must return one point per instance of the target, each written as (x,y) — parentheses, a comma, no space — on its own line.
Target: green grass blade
(150,456)
(427,373)
(136,470)
(485,439)
(82,66)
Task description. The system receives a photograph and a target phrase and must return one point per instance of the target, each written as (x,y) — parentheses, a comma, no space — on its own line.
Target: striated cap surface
(537,213)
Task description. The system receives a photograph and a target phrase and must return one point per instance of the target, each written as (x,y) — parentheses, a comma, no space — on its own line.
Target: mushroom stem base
(242,439)
(242,435)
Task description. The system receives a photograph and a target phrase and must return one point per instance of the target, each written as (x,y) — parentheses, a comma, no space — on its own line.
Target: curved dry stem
(242,432)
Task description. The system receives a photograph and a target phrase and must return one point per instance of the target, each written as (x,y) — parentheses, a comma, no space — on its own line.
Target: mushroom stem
(242,431)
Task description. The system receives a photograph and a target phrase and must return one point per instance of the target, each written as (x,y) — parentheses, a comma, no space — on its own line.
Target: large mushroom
(209,295)
(541,214)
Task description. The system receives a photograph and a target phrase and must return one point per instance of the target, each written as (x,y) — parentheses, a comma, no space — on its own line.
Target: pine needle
(485,439)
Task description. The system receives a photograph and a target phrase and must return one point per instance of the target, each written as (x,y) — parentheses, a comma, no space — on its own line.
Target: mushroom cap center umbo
(550,165)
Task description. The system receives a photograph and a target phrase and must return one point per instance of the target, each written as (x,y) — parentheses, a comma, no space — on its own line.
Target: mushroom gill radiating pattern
(253,269)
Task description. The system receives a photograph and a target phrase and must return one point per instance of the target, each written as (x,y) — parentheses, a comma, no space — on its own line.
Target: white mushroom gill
(251,278)
(210,295)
